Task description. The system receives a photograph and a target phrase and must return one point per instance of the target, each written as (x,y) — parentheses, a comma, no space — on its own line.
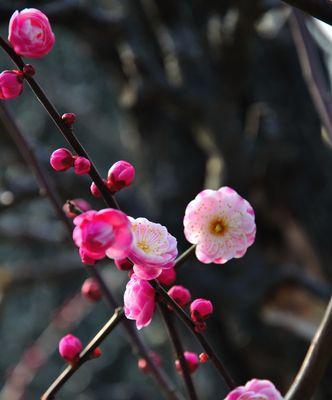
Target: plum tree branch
(321,9)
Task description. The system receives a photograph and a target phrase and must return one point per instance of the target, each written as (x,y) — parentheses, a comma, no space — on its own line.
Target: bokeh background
(195,93)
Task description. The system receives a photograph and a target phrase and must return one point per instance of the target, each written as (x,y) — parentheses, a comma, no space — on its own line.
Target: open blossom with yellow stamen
(221,223)
(153,249)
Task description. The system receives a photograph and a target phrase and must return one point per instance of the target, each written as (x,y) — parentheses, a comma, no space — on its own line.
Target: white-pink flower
(221,223)
(139,301)
(256,389)
(153,248)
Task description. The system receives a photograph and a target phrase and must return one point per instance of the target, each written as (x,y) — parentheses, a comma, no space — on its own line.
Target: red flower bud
(192,362)
(70,347)
(82,166)
(61,159)
(200,310)
(120,175)
(11,84)
(203,358)
(29,70)
(143,364)
(69,118)
(91,290)
(180,294)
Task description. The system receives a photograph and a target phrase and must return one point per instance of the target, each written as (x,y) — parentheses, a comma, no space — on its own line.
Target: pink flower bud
(200,310)
(180,294)
(192,362)
(69,118)
(82,204)
(30,33)
(82,165)
(143,364)
(139,301)
(29,70)
(203,358)
(61,159)
(11,84)
(123,264)
(120,175)
(94,190)
(167,276)
(91,290)
(70,347)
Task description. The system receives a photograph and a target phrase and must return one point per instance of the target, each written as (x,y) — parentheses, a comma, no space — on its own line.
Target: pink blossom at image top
(120,175)
(192,360)
(221,223)
(101,233)
(153,249)
(30,33)
(255,389)
(139,301)
(11,84)
(70,347)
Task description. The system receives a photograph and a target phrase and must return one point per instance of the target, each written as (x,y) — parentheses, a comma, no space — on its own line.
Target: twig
(321,9)
(312,70)
(169,322)
(190,324)
(62,126)
(184,256)
(315,362)
(85,355)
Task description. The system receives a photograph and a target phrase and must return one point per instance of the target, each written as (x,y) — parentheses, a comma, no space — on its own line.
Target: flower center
(143,246)
(218,227)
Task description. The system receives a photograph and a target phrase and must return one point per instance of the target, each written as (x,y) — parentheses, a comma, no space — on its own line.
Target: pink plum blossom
(221,223)
(255,389)
(139,301)
(153,250)
(100,233)
(120,175)
(70,347)
(11,84)
(30,33)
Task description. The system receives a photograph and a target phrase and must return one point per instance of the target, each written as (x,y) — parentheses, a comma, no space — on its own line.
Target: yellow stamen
(218,227)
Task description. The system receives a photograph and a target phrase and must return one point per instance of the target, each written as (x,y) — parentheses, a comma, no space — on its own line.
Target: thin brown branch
(85,355)
(184,256)
(317,359)
(312,70)
(321,9)
(201,338)
(178,348)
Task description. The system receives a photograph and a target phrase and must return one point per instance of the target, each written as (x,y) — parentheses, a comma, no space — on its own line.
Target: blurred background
(195,93)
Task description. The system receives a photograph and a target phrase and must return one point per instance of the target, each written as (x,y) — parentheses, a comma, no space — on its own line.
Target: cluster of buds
(63,159)
(30,35)
(120,175)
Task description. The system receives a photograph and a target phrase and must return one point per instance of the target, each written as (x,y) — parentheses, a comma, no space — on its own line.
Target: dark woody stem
(66,130)
(85,355)
(172,331)
(321,9)
(191,325)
